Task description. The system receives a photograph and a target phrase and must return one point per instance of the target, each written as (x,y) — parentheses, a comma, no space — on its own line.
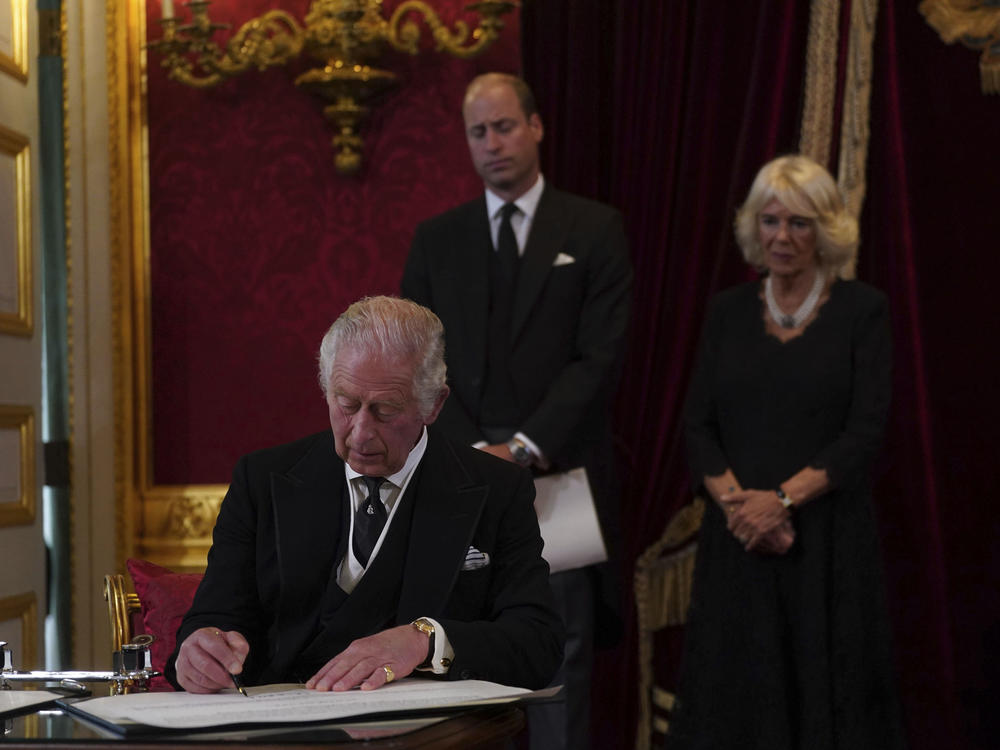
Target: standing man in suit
(533,286)
(358,555)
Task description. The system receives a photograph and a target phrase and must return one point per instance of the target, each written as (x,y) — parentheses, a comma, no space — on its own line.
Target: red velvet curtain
(675,107)
(667,110)
(930,241)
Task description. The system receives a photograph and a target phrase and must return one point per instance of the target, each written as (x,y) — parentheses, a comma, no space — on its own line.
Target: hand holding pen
(210,660)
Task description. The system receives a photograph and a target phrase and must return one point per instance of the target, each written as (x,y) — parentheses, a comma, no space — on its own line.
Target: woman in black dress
(787,643)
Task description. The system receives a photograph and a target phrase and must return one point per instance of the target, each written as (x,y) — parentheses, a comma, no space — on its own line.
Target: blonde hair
(394,328)
(807,189)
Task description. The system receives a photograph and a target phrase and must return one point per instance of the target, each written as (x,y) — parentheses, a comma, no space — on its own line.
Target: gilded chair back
(663,576)
(124,610)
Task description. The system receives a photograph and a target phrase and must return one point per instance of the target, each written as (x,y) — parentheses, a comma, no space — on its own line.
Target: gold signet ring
(389,675)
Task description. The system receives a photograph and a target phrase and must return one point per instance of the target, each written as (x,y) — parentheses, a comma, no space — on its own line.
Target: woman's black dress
(790,651)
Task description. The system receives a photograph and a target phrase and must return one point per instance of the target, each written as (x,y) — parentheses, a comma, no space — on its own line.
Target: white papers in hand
(568,521)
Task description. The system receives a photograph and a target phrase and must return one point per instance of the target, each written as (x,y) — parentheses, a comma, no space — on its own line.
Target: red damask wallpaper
(256,244)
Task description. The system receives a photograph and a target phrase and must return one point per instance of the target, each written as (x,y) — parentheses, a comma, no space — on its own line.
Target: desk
(488,728)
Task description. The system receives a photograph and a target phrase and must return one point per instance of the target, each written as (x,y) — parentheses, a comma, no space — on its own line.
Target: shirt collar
(399,478)
(527,203)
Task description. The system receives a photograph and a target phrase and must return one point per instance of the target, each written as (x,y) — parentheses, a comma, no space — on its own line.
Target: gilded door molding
(14,38)
(16,301)
(17,454)
(24,609)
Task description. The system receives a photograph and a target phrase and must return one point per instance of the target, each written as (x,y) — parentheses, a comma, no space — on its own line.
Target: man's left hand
(364,662)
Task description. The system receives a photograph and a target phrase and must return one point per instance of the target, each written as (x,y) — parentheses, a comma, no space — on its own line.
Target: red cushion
(166,597)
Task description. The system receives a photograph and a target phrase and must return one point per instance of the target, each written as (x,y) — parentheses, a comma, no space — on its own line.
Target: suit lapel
(547,236)
(309,513)
(447,504)
(471,257)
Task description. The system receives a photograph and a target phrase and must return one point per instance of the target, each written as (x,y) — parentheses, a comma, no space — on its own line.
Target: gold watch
(426,627)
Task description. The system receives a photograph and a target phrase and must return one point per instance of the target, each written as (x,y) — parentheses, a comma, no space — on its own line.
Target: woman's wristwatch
(785,500)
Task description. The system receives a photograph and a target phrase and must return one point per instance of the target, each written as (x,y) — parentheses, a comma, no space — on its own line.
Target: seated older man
(360,554)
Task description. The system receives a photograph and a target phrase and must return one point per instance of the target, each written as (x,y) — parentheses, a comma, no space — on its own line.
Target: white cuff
(443,654)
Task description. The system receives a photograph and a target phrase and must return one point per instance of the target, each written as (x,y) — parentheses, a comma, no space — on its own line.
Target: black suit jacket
(282,531)
(570,314)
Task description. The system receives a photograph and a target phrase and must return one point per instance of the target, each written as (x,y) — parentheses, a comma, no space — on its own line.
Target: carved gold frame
(168,524)
(25,607)
(22,419)
(16,145)
(16,63)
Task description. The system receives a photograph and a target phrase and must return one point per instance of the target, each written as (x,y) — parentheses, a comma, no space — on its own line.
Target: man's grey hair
(392,328)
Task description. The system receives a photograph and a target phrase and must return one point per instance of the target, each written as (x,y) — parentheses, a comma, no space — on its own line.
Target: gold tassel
(989,71)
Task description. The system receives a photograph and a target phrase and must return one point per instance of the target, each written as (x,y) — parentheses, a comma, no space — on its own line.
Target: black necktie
(369,520)
(507,243)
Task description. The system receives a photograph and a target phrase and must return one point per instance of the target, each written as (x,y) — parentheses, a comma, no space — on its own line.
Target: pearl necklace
(798,317)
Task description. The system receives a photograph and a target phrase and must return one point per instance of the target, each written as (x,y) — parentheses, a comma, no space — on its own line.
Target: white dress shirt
(520,220)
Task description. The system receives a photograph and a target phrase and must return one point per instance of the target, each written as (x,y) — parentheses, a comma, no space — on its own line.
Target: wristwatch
(426,627)
(786,501)
(520,452)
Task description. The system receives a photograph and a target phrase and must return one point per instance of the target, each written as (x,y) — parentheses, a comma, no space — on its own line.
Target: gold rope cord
(816,132)
(855,130)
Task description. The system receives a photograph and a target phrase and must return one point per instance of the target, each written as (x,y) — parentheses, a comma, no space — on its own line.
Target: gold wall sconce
(346,36)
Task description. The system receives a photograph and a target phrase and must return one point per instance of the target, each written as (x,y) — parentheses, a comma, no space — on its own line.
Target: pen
(239,685)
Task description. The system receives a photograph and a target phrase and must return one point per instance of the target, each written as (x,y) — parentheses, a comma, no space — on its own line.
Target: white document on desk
(290,703)
(13,701)
(568,521)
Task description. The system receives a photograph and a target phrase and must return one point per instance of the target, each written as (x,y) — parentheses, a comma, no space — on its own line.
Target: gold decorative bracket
(265,42)
(405,36)
(346,36)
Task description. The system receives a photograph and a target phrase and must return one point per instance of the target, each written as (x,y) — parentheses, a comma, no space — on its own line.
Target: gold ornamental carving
(347,37)
(191,518)
(974,23)
(177,523)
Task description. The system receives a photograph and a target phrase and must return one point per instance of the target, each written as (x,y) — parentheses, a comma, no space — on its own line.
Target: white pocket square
(563,260)
(474,559)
